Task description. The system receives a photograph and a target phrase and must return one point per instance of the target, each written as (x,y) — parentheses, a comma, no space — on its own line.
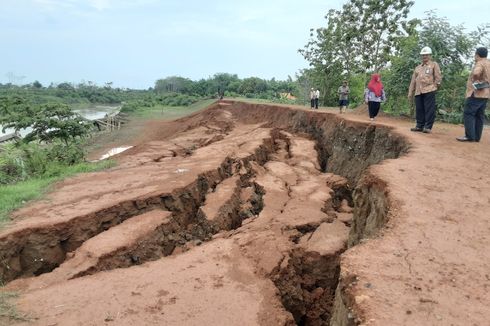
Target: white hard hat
(426,50)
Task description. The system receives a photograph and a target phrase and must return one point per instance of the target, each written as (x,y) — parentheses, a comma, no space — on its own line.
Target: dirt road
(248,214)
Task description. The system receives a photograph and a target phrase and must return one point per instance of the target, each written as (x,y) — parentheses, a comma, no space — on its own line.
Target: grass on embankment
(15,195)
(163,112)
(100,143)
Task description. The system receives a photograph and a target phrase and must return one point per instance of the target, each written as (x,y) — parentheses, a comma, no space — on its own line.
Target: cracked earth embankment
(295,216)
(252,215)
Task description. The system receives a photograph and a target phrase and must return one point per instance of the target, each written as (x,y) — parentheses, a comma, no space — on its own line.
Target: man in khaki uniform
(477,95)
(426,79)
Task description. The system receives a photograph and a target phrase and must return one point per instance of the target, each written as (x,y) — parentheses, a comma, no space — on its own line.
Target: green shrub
(165,99)
(21,161)
(12,164)
(68,154)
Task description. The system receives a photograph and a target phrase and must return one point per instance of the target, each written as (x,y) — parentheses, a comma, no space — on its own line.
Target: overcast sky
(134,42)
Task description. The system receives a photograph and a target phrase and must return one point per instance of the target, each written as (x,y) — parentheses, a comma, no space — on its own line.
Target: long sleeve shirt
(479,73)
(425,79)
(369,96)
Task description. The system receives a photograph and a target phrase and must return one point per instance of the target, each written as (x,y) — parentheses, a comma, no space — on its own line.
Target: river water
(91,113)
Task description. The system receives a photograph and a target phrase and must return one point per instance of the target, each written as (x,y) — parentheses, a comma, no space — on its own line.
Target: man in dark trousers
(426,79)
(477,95)
(317,98)
(312,98)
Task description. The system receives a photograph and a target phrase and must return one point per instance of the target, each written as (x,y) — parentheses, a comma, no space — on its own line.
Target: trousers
(373,108)
(474,117)
(425,110)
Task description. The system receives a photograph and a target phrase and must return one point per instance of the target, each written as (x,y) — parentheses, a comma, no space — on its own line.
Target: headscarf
(375,85)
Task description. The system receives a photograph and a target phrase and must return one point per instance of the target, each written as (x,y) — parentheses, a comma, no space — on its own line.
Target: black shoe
(417,129)
(427,131)
(464,138)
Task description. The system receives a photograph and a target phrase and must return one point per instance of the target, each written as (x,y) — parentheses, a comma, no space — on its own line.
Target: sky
(132,43)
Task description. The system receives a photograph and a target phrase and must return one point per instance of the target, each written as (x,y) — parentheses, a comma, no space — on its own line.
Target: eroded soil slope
(261,215)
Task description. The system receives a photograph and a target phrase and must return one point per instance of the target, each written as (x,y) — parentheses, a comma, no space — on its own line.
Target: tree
(452,47)
(374,27)
(222,81)
(56,121)
(173,84)
(37,84)
(328,54)
(49,122)
(66,87)
(15,113)
(397,78)
(252,85)
(359,38)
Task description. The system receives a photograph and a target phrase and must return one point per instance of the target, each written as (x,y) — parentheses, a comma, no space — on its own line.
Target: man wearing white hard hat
(426,79)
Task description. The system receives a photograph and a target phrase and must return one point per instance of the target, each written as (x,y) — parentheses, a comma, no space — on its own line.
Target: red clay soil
(244,214)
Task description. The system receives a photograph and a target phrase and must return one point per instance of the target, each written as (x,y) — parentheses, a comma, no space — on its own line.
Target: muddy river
(91,113)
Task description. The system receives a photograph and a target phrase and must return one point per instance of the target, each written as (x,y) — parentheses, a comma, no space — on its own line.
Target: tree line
(162,91)
(69,93)
(229,84)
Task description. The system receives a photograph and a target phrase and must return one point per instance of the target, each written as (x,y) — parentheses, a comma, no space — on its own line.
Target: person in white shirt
(312,97)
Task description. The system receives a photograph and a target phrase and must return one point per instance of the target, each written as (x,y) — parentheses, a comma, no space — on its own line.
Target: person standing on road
(343,96)
(312,97)
(477,95)
(317,97)
(426,79)
(374,95)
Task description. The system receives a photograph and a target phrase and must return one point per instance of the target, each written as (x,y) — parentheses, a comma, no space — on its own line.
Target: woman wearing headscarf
(374,95)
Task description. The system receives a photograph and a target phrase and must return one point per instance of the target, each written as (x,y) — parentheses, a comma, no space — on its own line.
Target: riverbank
(134,130)
(17,195)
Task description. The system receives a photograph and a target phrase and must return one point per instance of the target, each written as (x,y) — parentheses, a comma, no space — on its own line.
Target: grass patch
(8,310)
(15,195)
(163,112)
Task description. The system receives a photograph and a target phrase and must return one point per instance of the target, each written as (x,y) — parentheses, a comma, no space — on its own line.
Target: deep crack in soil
(250,205)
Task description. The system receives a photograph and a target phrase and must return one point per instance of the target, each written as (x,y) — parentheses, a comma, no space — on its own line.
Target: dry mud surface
(247,214)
